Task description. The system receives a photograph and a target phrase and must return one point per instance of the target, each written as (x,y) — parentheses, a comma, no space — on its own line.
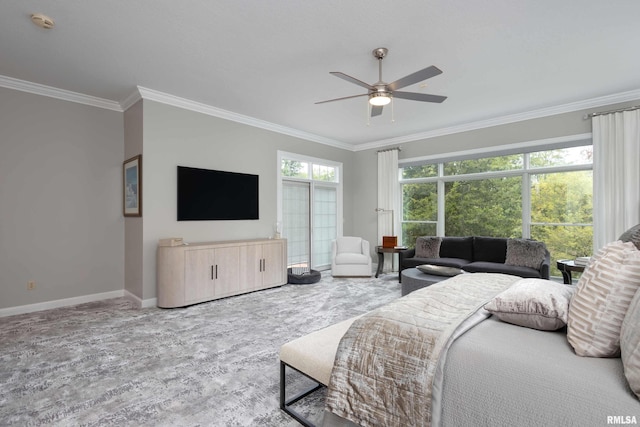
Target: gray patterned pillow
(630,344)
(428,247)
(525,253)
(533,303)
(602,298)
(632,235)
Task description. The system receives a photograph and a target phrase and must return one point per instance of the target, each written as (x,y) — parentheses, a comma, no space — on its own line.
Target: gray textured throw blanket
(386,362)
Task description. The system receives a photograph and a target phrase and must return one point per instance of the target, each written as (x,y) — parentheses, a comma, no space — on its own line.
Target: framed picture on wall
(132,186)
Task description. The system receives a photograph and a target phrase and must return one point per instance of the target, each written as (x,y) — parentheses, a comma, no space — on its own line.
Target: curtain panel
(616,175)
(388,196)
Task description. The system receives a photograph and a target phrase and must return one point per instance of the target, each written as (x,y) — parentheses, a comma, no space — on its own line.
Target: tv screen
(216,195)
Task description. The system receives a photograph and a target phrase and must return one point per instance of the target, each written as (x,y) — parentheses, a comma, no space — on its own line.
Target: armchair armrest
(366,247)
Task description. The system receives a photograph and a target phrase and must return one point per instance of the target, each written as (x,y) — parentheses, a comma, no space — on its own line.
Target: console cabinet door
(226,272)
(199,275)
(272,262)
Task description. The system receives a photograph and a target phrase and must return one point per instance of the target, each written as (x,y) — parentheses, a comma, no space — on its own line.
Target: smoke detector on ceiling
(42,21)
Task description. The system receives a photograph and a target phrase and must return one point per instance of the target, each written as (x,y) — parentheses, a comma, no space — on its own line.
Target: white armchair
(350,257)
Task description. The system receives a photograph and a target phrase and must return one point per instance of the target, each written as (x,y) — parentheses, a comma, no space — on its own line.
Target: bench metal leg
(285,404)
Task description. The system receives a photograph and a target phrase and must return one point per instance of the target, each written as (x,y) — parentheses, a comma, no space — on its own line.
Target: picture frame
(132,186)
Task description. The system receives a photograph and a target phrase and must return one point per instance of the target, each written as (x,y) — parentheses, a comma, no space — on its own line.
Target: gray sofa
(477,254)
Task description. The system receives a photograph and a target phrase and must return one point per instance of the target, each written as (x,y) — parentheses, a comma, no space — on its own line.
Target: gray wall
(61,221)
(174,136)
(559,125)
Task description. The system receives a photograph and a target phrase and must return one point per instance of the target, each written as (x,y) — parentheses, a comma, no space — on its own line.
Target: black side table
(566,266)
(381,251)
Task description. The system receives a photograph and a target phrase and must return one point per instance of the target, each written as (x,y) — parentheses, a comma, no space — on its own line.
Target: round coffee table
(414,279)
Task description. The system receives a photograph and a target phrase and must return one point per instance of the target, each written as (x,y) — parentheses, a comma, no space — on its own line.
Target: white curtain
(388,197)
(616,175)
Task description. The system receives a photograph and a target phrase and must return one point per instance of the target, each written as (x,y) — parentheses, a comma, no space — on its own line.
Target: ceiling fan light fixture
(379,99)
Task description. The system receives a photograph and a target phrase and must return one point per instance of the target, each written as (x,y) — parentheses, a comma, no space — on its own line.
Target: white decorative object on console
(201,272)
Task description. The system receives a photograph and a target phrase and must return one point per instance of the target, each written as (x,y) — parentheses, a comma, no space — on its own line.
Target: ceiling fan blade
(340,99)
(376,110)
(416,77)
(353,80)
(424,97)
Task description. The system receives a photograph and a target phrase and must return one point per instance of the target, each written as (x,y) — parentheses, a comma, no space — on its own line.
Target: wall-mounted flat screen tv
(205,194)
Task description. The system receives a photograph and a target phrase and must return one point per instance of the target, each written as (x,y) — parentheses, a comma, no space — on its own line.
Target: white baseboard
(48,305)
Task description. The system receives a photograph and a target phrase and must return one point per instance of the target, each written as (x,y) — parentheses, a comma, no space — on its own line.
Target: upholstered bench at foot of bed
(311,355)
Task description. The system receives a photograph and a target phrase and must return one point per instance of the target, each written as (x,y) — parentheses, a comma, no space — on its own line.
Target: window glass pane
(412,230)
(564,197)
(561,205)
(420,202)
(488,207)
(424,171)
(295,227)
(562,157)
(564,242)
(325,208)
(324,173)
(501,163)
(294,168)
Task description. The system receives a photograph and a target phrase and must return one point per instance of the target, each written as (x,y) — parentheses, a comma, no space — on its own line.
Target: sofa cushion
(491,249)
(600,303)
(351,258)
(630,344)
(349,244)
(457,247)
(525,253)
(496,267)
(533,303)
(428,247)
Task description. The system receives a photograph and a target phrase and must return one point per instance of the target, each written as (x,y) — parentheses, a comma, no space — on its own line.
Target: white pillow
(602,298)
(533,303)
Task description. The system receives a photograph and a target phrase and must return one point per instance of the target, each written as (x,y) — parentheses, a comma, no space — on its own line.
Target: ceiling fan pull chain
(369,114)
(393,117)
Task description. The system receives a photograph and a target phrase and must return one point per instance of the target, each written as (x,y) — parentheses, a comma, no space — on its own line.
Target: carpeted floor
(212,364)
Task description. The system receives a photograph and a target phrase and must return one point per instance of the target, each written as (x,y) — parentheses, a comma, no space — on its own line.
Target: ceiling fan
(380,93)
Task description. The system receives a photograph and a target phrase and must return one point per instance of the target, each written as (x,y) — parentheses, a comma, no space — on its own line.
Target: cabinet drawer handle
(212,272)
(216,271)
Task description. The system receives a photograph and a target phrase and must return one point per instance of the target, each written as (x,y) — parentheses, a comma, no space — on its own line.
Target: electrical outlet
(31,285)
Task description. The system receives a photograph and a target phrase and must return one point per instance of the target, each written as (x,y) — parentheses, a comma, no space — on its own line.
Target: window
(311,203)
(545,195)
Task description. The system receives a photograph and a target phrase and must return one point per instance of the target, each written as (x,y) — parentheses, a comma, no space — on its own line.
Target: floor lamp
(389,241)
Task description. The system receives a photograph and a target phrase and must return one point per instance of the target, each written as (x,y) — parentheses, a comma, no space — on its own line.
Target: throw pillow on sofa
(533,303)
(602,298)
(525,253)
(630,344)
(428,247)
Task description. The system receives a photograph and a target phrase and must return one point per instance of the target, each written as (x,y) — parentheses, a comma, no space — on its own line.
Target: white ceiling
(270,60)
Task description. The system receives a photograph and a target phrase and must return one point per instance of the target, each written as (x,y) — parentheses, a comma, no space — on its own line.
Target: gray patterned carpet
(212,364)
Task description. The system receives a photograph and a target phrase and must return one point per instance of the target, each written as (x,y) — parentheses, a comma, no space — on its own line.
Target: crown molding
(164,98)
(52,92)
(511,118)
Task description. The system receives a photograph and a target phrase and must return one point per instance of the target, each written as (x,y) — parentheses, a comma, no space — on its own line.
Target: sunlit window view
(545,195)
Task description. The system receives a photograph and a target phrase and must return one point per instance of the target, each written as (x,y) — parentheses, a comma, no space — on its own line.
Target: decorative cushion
(490,249)
(525,253)
(630,344)
(600,303)
(533,303)
(428,247)
(632,235)
(439,270)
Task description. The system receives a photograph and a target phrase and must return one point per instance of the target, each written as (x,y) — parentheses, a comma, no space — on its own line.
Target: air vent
(42,21)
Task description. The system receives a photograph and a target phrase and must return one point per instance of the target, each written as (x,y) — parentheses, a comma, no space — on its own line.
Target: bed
(484,371)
